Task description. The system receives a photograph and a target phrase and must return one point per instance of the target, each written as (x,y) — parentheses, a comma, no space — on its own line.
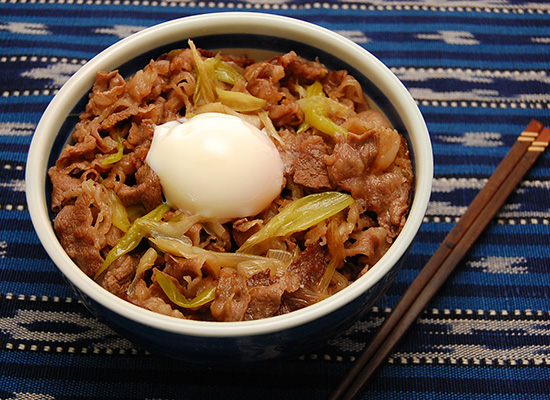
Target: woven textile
(479,72)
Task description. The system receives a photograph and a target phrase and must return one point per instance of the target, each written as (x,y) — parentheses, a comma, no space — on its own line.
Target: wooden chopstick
(529,145)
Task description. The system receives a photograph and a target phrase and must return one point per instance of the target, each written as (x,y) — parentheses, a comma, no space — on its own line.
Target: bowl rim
(212,23)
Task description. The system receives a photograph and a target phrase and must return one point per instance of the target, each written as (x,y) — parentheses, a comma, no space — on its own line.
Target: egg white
(216,165)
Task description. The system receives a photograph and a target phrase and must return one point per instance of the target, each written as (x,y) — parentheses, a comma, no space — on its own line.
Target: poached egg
(216,165)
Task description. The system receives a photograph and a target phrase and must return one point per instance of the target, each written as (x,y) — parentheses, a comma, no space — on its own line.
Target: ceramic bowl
(260,35)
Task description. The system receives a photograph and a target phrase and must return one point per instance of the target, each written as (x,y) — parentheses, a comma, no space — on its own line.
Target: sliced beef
(147,190)
(266,293)
(310,169)
(82,226)
(310,267)
(232,297)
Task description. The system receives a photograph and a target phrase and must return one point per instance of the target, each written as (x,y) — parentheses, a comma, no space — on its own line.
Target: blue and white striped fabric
(480,71)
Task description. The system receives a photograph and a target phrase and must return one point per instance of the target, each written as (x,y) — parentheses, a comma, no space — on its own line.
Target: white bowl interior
(212,24)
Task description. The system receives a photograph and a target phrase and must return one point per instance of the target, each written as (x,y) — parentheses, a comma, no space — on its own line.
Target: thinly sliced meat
(232,297)
(147,190)
(266,293)
(310,267)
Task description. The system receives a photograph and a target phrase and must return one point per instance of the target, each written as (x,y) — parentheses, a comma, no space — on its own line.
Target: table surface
(479,72)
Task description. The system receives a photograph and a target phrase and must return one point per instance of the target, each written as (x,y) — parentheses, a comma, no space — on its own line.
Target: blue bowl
(215,343)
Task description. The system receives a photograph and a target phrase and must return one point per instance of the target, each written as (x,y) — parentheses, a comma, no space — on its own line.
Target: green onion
(317,109)
(298,216)
(315,89)
(239,101)
(314,117)
(115,157)
(171,290)
(226,73)
(205,86)
(179,248)
(132,237)
(119,212)
(212,71)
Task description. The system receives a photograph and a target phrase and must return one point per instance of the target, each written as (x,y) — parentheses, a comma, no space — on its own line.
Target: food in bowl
(290,229)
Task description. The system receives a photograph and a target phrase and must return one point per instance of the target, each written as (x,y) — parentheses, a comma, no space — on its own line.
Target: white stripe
(16,128)
(414,74)
(471,351)
(120,31)
(58,73)
(31,396)
(18,328)
(451,37)
(16,185)
(475,139)
(25,28)
(501,265)
(480,95)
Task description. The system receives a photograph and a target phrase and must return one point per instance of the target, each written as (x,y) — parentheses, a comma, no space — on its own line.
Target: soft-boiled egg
(216,165)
